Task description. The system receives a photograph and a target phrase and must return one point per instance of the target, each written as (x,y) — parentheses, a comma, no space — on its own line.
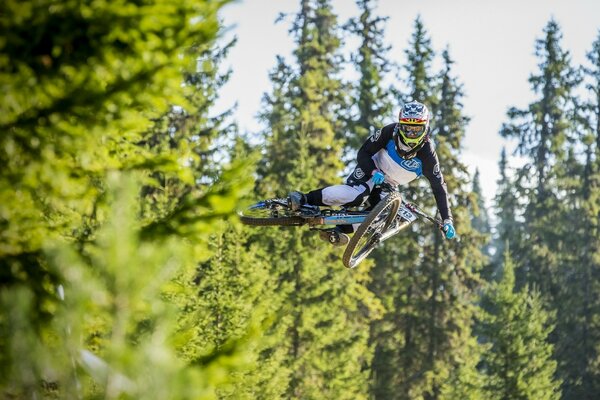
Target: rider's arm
(432,171)
(372,145)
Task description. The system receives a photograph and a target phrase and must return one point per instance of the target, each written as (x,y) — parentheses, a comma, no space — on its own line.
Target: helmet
(412,128)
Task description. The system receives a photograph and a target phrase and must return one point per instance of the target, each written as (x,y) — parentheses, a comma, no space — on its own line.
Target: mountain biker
(397,154)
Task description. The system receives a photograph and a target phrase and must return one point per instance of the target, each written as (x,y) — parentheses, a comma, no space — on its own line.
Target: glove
(378,177)
(448,229)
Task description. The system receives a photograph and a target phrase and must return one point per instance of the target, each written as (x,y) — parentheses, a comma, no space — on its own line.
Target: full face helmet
(412,128)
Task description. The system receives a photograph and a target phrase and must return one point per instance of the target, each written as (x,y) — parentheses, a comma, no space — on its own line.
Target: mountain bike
(388,217)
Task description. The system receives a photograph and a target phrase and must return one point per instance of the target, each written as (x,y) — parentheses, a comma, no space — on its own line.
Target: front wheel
(372,231)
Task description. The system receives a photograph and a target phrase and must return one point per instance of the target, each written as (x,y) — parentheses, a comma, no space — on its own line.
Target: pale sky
(491,42)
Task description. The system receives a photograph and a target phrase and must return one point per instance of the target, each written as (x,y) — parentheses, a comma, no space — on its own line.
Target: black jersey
(379,152)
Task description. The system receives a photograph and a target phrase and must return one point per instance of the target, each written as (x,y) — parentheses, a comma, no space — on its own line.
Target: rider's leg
(348,195)
(356,190)
(339,195)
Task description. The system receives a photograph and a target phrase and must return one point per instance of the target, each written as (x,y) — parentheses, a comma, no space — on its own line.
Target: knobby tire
(353,256)
(257,215)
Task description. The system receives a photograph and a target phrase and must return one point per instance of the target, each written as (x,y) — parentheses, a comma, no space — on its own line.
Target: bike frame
(407,211)
(337,219)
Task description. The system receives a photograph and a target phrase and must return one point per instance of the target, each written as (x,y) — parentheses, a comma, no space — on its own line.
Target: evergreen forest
(126,274)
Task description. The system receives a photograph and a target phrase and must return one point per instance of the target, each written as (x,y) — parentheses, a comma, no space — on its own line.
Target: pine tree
(518,364)
(223,300)
(323,309)
(452,268)
(409,298)
(86,282)
(76,100)
(372,109)
(542,130)
(425,339)
(420,56)
(397,278)
(481,220)
(192,129)
(508,228)
(558,258)
(372,101)
(591,248)
(229,299)
(578,307)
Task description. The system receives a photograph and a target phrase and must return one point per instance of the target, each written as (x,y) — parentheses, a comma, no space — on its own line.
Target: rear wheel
(372,231)
(270,213)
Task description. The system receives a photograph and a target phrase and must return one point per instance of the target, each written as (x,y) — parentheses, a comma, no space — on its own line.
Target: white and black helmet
(412,128)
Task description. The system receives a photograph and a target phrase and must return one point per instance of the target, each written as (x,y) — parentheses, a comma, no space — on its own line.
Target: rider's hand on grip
(448,229)
(378,177)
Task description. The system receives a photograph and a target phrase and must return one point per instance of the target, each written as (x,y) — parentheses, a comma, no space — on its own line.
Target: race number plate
(406,214)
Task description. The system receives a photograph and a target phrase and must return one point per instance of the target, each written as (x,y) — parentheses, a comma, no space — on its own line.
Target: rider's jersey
(379,152)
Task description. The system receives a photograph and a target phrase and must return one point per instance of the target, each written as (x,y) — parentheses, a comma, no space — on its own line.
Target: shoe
(334,237)
(296,200)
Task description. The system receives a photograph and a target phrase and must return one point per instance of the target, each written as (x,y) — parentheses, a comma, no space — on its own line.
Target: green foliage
(420,54)
(123,275)
(424,344)
(508,206)
(323,310)
(518,364)
(93,273)
(76,97)
(372,103)
(480,219)
(577,307)
(112,331)
(549,208)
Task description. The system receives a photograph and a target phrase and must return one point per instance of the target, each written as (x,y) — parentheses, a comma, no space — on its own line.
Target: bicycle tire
(355,254)
(268,220)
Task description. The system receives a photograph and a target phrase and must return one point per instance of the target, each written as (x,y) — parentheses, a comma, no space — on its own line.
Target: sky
(491,41)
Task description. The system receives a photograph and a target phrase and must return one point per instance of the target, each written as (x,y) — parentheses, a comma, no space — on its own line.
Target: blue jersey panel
(413,165)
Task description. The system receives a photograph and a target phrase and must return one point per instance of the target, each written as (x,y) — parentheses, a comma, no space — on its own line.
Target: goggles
(412,131)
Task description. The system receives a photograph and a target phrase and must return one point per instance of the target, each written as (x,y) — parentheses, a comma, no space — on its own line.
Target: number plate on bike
(406,214)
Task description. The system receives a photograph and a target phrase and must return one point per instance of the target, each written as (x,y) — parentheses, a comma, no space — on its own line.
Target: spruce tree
(397,278)
(323,309)
(420,55)
(591,248)
(556,255)
(481,220)
(372,105)
(373,111)
(578,307)
(86,282)
(542,130)
(425,339)
(452,268)
(410,300)
(518,363)
(76,101)
(507,206)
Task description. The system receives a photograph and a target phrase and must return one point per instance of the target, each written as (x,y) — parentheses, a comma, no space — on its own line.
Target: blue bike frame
(344,220)
(407,211)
